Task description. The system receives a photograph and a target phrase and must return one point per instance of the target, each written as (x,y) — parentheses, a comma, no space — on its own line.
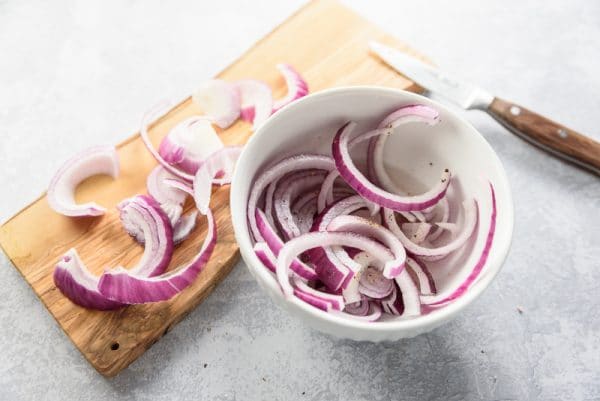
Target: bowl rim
(241,230)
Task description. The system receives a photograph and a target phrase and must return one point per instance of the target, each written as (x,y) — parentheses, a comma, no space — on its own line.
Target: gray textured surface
(107,61)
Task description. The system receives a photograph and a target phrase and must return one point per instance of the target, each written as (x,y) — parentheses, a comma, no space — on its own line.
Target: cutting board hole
(114,346)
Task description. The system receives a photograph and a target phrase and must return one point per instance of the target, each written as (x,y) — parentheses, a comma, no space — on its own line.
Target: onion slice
(304,242)
(171,201)
(143,218)
(265,255)
(140,214)
(358,308)
(374,285)
(151,115)
(76,282)
(92,161)
(372,315)
(367,228)
(287,191)
(423,276)
(256,101)
(275,244)
(463,285)
(297,86)
(444,206)
(189,143)
(355,178)
(470,220)
(122,286)
(334,266)
(184,227)
(275,172)
(320,299)
(220,101)
(416,232)
(217,168)
(409,294)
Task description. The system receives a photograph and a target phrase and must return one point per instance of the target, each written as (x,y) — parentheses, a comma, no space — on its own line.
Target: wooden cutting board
(327,43)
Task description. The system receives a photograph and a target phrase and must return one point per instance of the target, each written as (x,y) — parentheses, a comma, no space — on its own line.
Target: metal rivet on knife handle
(547,134)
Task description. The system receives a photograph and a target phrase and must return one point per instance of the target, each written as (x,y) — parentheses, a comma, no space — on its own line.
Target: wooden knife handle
(547,134)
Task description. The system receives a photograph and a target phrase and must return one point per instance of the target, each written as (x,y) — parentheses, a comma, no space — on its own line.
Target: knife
(532,127)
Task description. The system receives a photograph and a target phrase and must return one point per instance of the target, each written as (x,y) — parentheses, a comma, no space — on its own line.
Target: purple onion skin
(362,189)
(80,295)
(122,287)
(482,259)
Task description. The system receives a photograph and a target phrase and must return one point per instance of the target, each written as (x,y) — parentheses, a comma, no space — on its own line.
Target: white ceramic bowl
(414,157)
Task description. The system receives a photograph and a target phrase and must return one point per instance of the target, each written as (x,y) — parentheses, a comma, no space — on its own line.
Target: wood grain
(547,134)
(327,43)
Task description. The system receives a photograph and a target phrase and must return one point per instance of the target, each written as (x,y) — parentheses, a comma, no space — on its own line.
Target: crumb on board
(264,379)
(520,310)
(205,365)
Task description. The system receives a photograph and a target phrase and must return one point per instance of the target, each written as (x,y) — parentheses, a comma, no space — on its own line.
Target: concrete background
(79,73)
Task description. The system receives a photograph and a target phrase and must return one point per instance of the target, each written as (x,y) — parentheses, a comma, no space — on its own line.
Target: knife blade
(532,127)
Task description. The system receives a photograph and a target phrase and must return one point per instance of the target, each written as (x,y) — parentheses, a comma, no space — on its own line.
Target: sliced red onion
(278,186)
(453,228)
(416,232)
(372,315)
(302,290)
(351,293)
(189,143)
(121,285)
(470,220)
(367,228)
(365,214)
(297,86)
(374,285)
(171,201)
(407,114)
(393,303)
(275,244)
(220,101)
(151,115)
(76,282)
(92,161)
(269,201)
(326,193)
(265,255)
(304,242)
(274,173)
(319,299)
(352,175)
(184,227)
(216,169)
(408,303)
(182,187)
(358,308)
(444,207)
(141,214)
(470,276)
(145,220)
(422,275)
(305,217)
(286,193)
(332,271)
(256,101)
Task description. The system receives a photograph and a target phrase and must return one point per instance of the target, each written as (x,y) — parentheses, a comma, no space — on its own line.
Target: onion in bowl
(404,224)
